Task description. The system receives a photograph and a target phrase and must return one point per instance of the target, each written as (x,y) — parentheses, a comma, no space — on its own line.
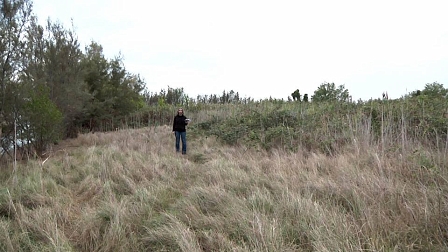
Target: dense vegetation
(329,125)
(127,190)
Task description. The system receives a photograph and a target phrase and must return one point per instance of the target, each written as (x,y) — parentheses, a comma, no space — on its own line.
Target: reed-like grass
(129,191)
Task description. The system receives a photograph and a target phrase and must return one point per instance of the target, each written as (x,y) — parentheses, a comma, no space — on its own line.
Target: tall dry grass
(129,191)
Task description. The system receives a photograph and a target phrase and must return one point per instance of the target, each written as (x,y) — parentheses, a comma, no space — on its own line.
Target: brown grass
(129,191)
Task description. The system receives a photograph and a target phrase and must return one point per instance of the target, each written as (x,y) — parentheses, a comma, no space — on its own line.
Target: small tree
(305,98)
(328,92)
(296,95)
(435,90)
(43,122)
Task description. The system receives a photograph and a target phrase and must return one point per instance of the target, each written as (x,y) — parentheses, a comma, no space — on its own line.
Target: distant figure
(179,130)
(385,96)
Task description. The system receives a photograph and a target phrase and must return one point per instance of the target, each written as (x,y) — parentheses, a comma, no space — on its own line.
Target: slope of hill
(129,191)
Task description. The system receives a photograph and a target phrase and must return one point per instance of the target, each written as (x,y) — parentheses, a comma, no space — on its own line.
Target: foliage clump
(329,126)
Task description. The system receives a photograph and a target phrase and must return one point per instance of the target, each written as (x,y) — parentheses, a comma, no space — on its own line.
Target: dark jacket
(179,123)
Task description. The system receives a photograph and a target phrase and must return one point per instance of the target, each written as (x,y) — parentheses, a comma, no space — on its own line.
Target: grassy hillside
(128,190)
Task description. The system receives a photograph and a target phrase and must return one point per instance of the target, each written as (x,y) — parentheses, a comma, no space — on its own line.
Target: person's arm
(174,122)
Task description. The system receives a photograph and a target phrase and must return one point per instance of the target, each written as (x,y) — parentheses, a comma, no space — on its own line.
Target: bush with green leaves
(328,126)
(42,123)
(328,92)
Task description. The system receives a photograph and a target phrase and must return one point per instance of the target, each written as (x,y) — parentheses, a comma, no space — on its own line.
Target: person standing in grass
(179,130)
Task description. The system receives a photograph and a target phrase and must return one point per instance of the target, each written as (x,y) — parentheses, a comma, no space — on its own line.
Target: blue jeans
(183,136)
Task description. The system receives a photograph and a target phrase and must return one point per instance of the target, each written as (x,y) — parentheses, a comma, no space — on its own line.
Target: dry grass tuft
(129,191)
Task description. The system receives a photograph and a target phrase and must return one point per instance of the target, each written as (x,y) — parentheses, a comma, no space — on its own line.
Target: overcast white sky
(267,48)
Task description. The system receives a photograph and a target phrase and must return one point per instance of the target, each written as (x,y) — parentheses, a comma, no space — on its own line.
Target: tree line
(177,96)
(50,86)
